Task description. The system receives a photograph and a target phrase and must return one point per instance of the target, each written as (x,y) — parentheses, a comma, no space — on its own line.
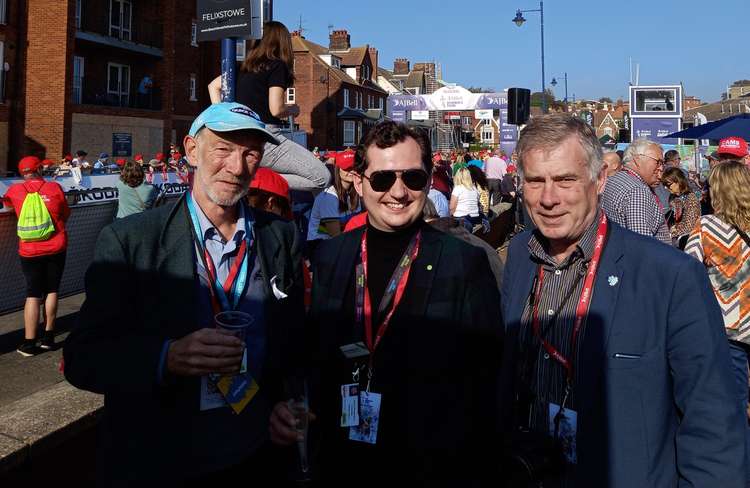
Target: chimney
(339,40)
(401,66)
(374,59)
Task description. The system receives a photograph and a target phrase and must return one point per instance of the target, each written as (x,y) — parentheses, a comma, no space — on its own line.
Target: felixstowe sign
(220,19)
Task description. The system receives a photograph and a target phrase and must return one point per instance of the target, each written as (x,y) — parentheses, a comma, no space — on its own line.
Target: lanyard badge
(224,296)
(220,390)
(363,427)
(581,309)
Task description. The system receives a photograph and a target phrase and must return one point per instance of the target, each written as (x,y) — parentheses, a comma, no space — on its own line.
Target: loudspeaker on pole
(519,102)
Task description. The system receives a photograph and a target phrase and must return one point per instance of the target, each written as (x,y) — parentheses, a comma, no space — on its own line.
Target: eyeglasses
(659,162)
(382,181)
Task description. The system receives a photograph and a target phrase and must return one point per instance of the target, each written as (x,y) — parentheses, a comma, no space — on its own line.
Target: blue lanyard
(239,284)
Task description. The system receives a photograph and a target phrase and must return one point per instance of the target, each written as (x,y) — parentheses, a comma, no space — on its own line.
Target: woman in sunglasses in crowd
(334,207)
(465,199)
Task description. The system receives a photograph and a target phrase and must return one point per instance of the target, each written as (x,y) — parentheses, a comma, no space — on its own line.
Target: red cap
(29,164)
(120,162)
(735,146)
(159,156)
(511,168)
(68,157)
(138,157)
(436,158)
(345,160)
(270,181)
(176,155)
(47,162)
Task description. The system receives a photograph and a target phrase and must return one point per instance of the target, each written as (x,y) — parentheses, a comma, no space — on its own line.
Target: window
(335,62)
(241,49)
(79,8)
(349,132)
(346,98)
(193,88)
(118,83)
(4,8)
(291,96)
(78,79)
(608,131)
(194,34)
(380,103)
(365,72)
(359,132)
(487,122)
(465,120)
(120,17)
(488,135)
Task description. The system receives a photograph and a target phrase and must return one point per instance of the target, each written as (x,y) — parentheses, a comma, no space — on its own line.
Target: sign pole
(228,69)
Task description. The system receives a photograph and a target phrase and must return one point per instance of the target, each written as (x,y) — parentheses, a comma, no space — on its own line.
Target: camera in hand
(532,458)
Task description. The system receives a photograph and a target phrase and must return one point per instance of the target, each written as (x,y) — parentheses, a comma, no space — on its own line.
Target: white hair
(637,148)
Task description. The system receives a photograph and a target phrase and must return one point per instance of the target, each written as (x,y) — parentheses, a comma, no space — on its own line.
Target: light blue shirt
(441,203)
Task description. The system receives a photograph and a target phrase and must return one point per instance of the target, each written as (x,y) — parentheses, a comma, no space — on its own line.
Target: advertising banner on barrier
(420,115)
(99,188)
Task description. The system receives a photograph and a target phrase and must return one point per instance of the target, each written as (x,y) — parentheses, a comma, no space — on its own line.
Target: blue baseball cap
(229,117)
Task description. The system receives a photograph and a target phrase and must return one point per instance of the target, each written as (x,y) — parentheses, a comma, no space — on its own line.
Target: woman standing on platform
(263,78)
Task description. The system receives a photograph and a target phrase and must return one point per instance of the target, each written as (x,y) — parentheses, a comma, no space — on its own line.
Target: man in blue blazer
(615,349)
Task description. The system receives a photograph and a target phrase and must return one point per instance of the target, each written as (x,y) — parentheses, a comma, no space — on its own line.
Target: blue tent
(737,126)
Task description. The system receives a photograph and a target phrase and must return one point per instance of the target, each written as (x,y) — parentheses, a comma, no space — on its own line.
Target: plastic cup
(237,323)
(234,322)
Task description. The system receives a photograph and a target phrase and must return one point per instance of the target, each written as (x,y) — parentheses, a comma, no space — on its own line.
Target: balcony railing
(141,32)
(135,100)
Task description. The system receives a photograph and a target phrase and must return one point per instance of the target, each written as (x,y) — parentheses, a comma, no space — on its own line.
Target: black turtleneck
(384,251)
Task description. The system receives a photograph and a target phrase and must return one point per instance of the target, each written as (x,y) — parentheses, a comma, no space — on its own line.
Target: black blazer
(140,291)
(436,367)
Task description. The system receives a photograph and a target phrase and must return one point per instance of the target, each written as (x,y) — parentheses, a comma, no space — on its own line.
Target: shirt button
(550,312)
(558,272)
(546,355)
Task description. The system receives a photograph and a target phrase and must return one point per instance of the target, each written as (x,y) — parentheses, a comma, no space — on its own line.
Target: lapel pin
(429,267)
(613,280)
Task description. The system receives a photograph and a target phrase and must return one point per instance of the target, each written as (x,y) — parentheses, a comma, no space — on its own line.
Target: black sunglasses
(414,179)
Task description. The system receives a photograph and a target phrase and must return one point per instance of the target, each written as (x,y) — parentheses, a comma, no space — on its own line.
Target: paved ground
(37,406)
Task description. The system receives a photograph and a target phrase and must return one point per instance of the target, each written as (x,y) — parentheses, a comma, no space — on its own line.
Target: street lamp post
(519,20)
(554,83)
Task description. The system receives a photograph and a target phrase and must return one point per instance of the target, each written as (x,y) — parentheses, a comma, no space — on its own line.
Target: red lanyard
(583,303)
(395,290)
(638,177)
(229,282)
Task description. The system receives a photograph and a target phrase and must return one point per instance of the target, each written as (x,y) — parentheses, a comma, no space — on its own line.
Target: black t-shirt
(252,89)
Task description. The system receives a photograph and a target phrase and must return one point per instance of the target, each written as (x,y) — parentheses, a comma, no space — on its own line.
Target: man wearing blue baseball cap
(188,403)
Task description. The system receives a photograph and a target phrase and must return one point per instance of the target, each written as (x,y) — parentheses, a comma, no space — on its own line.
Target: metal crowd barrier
(83,227)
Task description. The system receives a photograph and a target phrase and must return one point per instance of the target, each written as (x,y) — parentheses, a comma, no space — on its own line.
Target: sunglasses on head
(414,179)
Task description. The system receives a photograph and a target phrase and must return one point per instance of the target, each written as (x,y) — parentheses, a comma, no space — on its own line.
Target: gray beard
(224,202)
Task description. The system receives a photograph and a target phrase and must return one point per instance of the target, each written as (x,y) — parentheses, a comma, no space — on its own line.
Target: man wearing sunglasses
(629,198)
(410,317)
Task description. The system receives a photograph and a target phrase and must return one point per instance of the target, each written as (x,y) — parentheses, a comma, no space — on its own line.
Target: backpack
(34,221)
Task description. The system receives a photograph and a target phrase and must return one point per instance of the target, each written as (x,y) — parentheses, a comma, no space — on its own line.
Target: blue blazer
(657,402)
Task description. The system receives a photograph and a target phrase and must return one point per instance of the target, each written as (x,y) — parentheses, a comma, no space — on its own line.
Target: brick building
(74,80)
(336,90)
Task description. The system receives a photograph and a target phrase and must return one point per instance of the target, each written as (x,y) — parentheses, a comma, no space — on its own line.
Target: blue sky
(702,44)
